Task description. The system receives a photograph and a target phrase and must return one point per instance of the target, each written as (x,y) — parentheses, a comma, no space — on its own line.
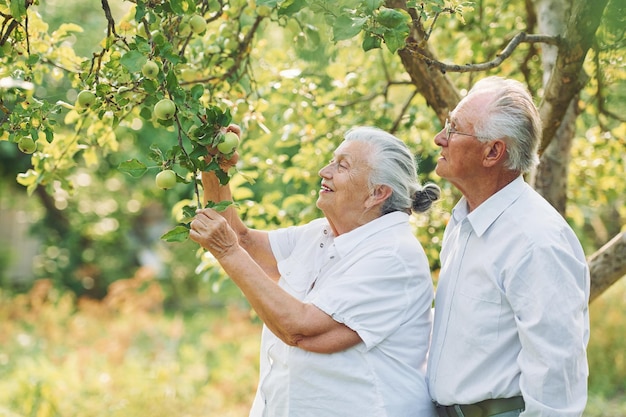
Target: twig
(109,17)
(394,128)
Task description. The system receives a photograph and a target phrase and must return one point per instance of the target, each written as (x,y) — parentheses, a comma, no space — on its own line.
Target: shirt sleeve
(550,299)
(284,241)
(375,296)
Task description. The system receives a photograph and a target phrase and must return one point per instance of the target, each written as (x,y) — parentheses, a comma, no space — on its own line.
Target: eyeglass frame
(451,131)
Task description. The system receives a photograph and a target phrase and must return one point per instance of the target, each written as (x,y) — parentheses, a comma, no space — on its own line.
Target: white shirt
(376,280)
(511,307)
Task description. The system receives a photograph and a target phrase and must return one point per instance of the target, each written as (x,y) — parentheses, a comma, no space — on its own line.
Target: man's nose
(440,138)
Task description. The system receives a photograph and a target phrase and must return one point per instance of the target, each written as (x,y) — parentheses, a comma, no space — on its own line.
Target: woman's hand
(226,164)
(211,231)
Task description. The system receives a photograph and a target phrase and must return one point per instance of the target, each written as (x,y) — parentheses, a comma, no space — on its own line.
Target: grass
(125,356)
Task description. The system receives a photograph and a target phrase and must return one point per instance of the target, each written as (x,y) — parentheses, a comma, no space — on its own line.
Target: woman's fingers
(212,232)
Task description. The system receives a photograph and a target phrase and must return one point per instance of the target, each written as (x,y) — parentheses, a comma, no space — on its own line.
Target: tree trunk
(568,77)
(550,177)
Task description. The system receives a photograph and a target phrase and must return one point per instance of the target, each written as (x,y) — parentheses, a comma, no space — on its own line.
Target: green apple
(165,109)
(263,10)
(197,24)
(27,145)
(85,99)
(229,143)
(165,179)
(150,69)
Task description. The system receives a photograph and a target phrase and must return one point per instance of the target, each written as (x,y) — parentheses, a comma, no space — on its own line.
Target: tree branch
(109,17)
(521,37)
(607,265)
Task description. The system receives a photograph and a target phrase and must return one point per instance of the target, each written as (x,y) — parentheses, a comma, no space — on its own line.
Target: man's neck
(490,185)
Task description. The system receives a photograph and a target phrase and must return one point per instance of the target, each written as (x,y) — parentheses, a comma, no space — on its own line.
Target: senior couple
(346,299)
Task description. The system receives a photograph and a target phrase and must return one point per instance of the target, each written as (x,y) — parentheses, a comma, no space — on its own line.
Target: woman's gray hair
(511,115)
(393,165)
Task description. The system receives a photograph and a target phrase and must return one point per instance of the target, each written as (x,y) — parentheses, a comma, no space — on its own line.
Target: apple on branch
(85,99)
(165,109)
(165,179)
(229,143)
(197,24)
(27,145)
(150,69)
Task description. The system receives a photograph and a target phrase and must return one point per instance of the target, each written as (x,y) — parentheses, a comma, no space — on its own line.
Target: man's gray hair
(513,116)
(393,165)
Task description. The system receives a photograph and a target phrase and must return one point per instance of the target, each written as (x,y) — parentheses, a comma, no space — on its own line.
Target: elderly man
(511,310)
(346,299)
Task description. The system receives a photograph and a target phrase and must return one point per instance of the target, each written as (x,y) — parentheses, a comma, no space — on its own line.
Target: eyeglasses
(450,131)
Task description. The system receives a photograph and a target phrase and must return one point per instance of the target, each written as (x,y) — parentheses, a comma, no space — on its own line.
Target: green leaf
(28,178)
(189,212)
(371,5)
(171,82)
(179,233)
(197,91)
(395,39)
(221,206)
(222,176)
(191,6)
(18,9)
(392,18)
(346,27)
(140,11)
(133,167)
(133,61)
(225,118)
(287,8)
(177,6)
(370,42)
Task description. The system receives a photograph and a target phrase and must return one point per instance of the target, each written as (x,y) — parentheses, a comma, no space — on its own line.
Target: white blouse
(374,279)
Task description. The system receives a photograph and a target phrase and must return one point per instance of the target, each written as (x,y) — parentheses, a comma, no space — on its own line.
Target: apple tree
(296,74)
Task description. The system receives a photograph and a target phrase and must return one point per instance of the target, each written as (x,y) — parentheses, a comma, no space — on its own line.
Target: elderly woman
(345,299)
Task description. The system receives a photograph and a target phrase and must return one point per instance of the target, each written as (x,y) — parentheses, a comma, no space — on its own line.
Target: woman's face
(345,188)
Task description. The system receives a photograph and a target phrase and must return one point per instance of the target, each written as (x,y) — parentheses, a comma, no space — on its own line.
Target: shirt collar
(485,214)
(346,242)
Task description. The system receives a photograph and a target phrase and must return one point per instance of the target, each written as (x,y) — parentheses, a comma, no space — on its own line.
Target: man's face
(461,155)
(345,186)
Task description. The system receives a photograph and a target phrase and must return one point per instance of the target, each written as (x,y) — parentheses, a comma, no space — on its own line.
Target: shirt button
(325,231)
(321,245)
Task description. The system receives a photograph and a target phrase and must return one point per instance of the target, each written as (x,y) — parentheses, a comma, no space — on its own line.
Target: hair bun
(424,198)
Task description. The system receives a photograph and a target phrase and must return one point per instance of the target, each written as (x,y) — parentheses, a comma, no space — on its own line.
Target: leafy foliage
(294,74)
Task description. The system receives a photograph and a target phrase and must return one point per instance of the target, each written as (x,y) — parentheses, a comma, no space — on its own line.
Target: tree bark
(440,94)
(607,265)
(433,84)
(550,177)
(568,77)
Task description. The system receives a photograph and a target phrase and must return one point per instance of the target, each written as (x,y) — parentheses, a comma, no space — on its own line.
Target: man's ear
(495,152)
(379,194)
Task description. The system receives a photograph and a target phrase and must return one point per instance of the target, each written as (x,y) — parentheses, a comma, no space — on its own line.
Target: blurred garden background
(99,316)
